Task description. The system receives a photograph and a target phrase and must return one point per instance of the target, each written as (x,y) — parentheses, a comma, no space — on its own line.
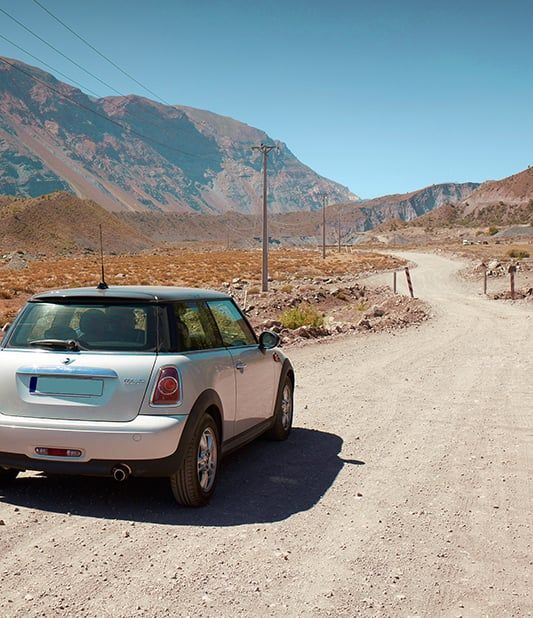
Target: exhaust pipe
(121,472)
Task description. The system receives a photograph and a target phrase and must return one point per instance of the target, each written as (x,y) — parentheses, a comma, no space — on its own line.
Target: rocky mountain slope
(131,153)
(496,202)
(514,193)
(367,214)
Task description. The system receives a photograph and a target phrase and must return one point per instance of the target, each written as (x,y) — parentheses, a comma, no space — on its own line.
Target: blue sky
(382,96)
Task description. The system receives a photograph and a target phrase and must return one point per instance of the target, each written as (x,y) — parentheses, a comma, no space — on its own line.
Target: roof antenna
(102,285)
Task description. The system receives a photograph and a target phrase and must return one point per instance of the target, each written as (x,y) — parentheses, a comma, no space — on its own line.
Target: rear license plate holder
(66,386)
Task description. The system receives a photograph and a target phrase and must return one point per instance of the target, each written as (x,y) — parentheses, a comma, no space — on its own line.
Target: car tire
(194,483)
(282,426)
(8,474)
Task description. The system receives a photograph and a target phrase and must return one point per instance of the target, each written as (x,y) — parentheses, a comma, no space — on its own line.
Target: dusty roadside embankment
(404,490)
(498,277)
(333,287)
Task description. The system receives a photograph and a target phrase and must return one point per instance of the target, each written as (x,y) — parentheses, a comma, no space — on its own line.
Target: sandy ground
(405,490)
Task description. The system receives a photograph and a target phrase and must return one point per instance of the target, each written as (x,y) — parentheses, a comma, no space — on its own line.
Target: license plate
(66,386)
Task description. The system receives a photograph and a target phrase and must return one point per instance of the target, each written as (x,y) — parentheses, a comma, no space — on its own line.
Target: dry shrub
(515,253)
(303,315)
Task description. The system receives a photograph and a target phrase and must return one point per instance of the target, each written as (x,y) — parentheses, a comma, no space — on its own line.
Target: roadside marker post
(409,282)
(512,271)
(485,276)
(394,281)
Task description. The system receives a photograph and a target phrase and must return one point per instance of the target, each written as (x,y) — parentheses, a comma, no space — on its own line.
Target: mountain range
(134,154)
(162,168)
(63,223)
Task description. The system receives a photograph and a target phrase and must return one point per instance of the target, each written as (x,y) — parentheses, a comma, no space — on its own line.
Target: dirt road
(405,490)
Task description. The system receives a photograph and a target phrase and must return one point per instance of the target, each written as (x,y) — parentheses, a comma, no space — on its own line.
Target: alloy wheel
(286,407)
(207,459)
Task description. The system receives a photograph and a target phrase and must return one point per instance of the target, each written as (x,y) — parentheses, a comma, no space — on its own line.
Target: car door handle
(241,366)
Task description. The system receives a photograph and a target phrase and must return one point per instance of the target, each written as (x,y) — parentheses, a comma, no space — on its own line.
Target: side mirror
(268,340)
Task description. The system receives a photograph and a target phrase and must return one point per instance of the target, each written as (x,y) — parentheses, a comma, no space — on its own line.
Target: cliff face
(131,153)
(495,202)
(367,214)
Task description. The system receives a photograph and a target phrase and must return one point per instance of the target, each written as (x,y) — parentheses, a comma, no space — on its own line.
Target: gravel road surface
(404,490)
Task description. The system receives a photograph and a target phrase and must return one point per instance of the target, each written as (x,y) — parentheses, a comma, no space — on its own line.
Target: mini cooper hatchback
(142,381)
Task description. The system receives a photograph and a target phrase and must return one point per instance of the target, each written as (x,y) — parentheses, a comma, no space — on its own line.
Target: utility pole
(339,229)
(265,150)
(324,197)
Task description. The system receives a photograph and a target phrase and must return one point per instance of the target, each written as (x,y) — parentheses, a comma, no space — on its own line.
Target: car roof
(144,293)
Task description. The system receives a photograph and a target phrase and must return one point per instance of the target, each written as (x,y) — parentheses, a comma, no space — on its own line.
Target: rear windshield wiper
(57,344)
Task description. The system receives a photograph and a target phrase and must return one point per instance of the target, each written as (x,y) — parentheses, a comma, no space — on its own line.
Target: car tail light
(167,389)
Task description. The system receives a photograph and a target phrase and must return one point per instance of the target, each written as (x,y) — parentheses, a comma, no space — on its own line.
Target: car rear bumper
(147,444)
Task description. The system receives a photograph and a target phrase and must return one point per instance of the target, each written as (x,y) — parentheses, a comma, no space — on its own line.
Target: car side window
(193,327)
(233,328)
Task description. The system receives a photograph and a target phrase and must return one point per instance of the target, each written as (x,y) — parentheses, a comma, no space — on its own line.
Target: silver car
(142,381)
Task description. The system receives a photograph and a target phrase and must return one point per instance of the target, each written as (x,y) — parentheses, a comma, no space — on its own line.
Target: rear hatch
(79,361)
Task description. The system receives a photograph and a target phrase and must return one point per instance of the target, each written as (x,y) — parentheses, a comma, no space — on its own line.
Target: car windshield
(86,326)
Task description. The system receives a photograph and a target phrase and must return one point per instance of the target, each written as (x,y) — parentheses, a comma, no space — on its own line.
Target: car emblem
(67,361)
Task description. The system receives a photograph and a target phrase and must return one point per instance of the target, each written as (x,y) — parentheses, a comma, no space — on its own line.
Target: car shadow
(263,482)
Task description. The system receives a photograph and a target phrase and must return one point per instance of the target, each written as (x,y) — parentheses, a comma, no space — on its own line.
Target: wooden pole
(264,278)
(484,266)
(512,270)
(409,282)
(324,201)
(394,282)
(264,149)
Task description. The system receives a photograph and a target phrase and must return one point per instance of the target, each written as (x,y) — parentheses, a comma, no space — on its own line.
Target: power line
(108,101)
(73,62)
(240,230)
(60,52)
(279,223)
(264,148)
(324,197)
(100,53)
(49,66)
(96,113)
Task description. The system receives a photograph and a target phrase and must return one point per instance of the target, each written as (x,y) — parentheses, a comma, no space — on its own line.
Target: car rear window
(103,327)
